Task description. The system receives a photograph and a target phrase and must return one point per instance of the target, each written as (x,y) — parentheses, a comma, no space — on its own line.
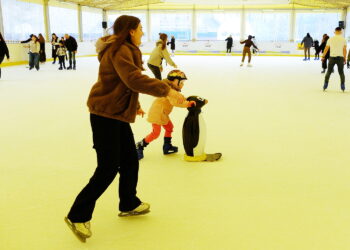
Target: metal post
(194,23)
(46,19)
(1,21)
(243,23)
(104,18)
(148,17)
(292,26)
(80,23)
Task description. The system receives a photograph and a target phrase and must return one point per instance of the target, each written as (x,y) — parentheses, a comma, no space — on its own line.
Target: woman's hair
(121,29)
(164,38)
(41,38)
(36,38)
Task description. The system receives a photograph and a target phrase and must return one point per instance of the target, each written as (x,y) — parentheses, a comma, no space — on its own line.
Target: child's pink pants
(156,131)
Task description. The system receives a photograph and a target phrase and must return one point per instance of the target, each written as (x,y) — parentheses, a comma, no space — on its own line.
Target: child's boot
(168,148)
(139,148)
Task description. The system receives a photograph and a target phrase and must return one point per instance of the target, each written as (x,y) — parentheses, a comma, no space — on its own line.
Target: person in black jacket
(172,44)
(42,53)
(54,43)
(72,47)
(4,51)
(229,44)
(322,48)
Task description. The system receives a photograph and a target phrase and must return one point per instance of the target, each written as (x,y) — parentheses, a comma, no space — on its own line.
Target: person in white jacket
(157,55)
(34,49)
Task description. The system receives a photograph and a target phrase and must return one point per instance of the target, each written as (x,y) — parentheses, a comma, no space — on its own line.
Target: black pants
(155,70)
(324,63)
(339,61)
(71,56)
(228,50)
(116,153)
(1,60)
(307,52)
(54,54)
(62,62)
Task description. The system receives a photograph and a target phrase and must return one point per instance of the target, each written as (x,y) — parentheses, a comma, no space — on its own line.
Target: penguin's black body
(194,133)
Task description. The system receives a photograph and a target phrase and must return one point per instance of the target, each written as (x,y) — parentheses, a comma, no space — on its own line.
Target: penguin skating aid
(194,133)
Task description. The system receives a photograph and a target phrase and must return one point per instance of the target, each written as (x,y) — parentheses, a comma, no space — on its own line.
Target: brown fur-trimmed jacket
(120,80)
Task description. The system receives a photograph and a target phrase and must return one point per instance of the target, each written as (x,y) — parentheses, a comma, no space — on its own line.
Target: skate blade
(131,213)
(80,237)
(213,157)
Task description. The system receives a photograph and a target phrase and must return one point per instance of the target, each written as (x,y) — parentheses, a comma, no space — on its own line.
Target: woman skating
(157,55)
(113,104)
(54,43)
(246,50)
(42,53)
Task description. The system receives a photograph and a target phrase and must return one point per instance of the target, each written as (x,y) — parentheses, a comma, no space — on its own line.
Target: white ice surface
(283,182)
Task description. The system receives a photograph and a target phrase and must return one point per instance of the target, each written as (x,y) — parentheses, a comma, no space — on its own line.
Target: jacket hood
(103,44)
(159,42)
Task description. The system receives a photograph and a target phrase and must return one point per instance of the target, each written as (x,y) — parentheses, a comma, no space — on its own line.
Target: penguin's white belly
(199,149)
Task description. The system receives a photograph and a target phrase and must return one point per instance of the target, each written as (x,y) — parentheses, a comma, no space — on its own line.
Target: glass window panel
(92,24)
(63,20)
(22,19)
(268,26)
(218,26)
(178,25)
(111,17)
(316,24)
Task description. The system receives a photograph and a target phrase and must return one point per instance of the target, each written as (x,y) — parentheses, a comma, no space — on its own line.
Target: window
(92,23)
(316,24)
(178,25)
(218,26)
(64,20)
(268,26)
(22,19)
(112,16)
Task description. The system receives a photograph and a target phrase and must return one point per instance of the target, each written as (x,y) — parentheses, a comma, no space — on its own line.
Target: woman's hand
(140,112)
(192,104)
(175,66)
(176,95)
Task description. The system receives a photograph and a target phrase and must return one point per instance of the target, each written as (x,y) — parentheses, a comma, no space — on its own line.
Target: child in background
(159,112)
(61,53)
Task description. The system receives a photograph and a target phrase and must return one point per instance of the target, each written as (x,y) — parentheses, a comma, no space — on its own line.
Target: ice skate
(323,71)
(342,86)
(144,208)
(81,230)
(139,148)
(168,148)
(241,64)
(249,65)
(213,157)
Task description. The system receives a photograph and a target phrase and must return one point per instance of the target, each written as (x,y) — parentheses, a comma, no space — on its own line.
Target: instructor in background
(72,47)
(337,45)
(229,44)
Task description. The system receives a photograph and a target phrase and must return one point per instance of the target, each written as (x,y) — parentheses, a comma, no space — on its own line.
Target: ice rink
(283,182)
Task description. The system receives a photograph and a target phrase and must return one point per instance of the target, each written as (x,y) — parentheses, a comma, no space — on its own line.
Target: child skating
(61,53)
(246,50)
(159,113)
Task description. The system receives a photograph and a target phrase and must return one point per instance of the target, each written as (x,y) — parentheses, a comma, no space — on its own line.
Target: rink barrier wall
(19,54)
